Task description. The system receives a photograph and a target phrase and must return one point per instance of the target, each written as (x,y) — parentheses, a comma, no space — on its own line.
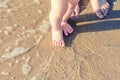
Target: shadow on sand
(93,24)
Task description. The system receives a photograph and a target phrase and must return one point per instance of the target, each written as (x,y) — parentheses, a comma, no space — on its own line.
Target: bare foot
(67,29)
(57,37)
(101,7)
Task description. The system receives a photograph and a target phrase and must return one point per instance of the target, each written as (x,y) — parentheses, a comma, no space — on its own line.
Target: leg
(100,7)
(77,10)
(67,29)
(58,9)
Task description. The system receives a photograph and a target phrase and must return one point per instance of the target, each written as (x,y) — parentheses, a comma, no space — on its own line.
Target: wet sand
(26,51)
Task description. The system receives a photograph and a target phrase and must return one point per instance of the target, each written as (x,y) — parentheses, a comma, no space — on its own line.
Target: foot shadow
(90,23)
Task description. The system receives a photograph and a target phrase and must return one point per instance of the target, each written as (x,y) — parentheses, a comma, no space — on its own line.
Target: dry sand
(92,52)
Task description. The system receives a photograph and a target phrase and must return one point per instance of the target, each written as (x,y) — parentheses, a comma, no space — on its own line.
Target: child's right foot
(57,37)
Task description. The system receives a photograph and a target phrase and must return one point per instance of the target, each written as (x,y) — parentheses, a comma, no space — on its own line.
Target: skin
(100,7)
(61,11)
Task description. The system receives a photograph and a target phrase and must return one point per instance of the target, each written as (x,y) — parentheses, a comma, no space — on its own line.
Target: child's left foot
(67,29)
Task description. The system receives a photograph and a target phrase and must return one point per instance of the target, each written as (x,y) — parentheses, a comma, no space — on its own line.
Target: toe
(65,32)
(99,14)
(104,10)
(62,43)
(70,29)
(55,43)
(108,5)
(59,43)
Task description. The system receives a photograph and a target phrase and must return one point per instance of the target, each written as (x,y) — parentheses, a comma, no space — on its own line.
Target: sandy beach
(92,52)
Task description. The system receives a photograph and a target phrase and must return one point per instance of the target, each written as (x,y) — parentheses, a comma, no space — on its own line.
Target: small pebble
(23,28)
(1,31)
(9,10)
(16,52)
(37,1)
(23,58)
(1,41)
(7,0)
(38,40)
(115,2)
(23,33)
(3,5)
(6,32)
(5,73)
(9,28)
(12,77)
(17,61)
(31,31)
(10,64)
(45,26)
(15,25)
(39,11)
(26,14)
(7,49)
(37,54)
(17,43)
(28,59)
(34,21)
(34,78)
(26,68)
(18,35)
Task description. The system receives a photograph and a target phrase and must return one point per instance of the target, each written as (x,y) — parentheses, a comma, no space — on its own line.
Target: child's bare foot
(57,37)
(101,7)
(67,29)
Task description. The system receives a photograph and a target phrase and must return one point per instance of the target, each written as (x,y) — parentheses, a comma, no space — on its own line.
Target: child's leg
(100,7)
(67,29)
(76,11)
(58,9)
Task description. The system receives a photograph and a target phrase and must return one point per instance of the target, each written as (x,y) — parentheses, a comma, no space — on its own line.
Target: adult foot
(100,7)
(57,37)
(67,29)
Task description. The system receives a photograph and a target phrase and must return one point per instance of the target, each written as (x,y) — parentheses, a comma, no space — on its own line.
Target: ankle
(64,22)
